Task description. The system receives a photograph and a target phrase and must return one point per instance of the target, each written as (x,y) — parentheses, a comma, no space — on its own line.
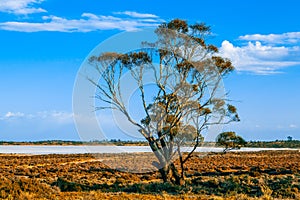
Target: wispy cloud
(136,14)
(37,126)
(86,23)
(10,115)
(287,127)
(58,117)
(284,38)
(293,126)
(264,54)
(22,7)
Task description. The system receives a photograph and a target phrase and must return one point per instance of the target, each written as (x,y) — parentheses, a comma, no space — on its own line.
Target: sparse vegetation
(117,142)
(235,175)
(274,144)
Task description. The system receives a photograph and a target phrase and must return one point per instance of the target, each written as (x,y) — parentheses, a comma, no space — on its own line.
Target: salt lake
(56,149)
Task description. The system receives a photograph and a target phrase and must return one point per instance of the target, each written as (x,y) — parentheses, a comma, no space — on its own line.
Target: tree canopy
(230,141)
(184,99)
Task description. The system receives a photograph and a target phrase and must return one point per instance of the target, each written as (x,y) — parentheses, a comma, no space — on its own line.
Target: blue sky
(44,42)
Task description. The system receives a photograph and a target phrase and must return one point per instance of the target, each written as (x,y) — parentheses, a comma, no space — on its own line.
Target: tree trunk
(164,172)
(179,180)
(167,169)
(169,174)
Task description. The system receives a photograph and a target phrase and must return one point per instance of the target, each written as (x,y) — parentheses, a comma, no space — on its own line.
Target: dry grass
(244,175)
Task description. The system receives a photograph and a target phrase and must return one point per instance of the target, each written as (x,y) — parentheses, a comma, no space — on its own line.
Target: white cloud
(61,117)
(88,22)
(261,58)
(10,115)
(58,117)
(284,38)
(136,14)
(287,127)
(293,126)
(21,6)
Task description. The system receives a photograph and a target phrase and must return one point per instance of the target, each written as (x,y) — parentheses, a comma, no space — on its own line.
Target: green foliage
(229,140)
(274,144)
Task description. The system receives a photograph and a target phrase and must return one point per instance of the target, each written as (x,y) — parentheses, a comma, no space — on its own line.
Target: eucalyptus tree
(184,98)
(230,141)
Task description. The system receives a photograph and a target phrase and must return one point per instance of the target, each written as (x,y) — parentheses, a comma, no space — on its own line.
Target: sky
(44,42)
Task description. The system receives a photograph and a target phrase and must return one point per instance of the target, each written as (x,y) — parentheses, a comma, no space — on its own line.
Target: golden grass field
(235,175)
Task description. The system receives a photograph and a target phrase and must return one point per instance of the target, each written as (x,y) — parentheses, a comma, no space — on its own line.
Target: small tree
(230,141)
(183,102)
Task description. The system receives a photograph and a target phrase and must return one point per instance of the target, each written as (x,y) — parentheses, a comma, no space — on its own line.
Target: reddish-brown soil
(48,176)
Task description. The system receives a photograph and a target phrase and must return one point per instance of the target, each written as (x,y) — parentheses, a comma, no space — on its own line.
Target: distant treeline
(274,144)
(118,142)
(45,142)
(62,142)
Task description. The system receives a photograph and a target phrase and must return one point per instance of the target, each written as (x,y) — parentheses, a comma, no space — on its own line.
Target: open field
(240,175)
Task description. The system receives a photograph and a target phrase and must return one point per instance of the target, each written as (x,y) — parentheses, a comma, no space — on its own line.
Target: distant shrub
(230,141)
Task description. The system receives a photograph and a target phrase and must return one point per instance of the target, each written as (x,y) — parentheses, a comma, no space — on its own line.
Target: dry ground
(243,175)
